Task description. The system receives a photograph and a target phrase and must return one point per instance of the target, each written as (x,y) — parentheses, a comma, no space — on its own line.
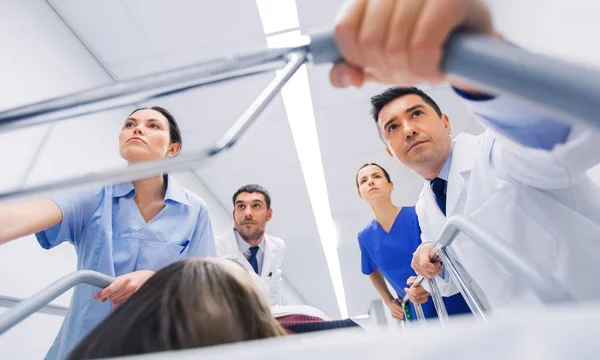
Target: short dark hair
(378,102)
(385,173)
(174,132)
(253,188)
(191,303)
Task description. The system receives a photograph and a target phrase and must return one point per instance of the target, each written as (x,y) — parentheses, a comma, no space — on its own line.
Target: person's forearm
(381,287)
(18,220)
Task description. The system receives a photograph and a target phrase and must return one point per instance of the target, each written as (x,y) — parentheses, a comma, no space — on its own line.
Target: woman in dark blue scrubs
(387,244)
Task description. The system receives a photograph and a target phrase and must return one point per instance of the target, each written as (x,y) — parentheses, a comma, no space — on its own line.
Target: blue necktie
(252,260)
(438,186)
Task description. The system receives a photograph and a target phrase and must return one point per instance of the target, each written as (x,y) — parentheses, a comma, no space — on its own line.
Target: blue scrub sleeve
(202,243)
(368,266)
(77,209)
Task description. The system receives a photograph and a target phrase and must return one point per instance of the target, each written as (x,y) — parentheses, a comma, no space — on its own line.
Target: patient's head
(188,304)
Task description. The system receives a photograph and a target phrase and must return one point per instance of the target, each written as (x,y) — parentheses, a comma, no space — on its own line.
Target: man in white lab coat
(249,244)
(524,178)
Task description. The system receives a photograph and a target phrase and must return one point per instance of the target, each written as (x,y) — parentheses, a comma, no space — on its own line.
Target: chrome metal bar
(418,308)
(475,303)
(46,295)
(143,88)
(564,89)
(438,302)
(546,287)
(183,161)
(296,59)
(11,302)
(420,314)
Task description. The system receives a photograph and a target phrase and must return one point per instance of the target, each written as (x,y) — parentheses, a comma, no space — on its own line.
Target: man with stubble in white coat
(249,244)
(524,178)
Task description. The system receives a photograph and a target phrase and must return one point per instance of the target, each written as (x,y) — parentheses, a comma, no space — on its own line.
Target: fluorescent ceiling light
(298,106)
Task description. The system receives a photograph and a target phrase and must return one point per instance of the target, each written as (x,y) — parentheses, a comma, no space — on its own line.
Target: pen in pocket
(184,245)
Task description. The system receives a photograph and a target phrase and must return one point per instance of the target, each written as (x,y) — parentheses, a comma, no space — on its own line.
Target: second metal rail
(547,289)
(42,298)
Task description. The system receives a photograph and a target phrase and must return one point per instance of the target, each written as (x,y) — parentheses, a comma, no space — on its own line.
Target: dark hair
(190,303)
(253,188)
(174,131)
(378,102)
(385,173)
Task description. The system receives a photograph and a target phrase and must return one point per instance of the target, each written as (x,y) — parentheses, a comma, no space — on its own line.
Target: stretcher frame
(493,64)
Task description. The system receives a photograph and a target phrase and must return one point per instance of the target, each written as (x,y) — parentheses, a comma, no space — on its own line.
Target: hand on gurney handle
(426,262)
(416,293)
(409,48)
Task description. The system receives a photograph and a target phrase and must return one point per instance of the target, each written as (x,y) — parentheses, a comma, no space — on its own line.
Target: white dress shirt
(245,250)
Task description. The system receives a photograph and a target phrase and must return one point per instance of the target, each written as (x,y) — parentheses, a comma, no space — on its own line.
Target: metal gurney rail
(42,298)
(546,288)
(492,63)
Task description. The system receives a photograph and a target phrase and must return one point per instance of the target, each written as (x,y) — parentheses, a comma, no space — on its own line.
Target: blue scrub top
(392,254)
(110,236)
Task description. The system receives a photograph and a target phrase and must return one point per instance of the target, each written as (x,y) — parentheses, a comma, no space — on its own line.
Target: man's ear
(446,121)
(390,153)
(269,214)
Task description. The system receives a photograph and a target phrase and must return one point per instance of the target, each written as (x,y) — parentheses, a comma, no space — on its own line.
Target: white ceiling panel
(215,50)
(213,108)
(108,26)
(254,150)
(80,146)
(136,68)
(17,150)
(44,58)
(187,24)
(315,14)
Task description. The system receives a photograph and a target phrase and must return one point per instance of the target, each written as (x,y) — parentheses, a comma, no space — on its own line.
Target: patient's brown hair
(190,303)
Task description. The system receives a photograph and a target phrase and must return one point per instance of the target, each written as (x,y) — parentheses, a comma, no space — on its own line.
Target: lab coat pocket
(154,255)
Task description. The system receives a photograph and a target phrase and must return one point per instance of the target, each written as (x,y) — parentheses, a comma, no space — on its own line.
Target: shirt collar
(445,170)
(174,191)
(244,246)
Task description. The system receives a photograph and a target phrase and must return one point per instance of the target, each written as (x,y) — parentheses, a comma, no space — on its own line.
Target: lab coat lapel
(233,251)
(267,258)
(463,160)
(435,217)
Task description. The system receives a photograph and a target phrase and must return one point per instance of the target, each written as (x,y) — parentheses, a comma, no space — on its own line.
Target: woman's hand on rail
(401,42)
(123,287)
(417,294)
(396,309)
(425,261)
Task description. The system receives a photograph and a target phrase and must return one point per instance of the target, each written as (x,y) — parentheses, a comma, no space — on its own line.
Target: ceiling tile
(185,24)
(107,27)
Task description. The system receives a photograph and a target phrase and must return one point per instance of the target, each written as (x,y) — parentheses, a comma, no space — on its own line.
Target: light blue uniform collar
(174,191)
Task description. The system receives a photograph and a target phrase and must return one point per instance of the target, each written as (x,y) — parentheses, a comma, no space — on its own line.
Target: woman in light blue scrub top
(126,230)
(388,242)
